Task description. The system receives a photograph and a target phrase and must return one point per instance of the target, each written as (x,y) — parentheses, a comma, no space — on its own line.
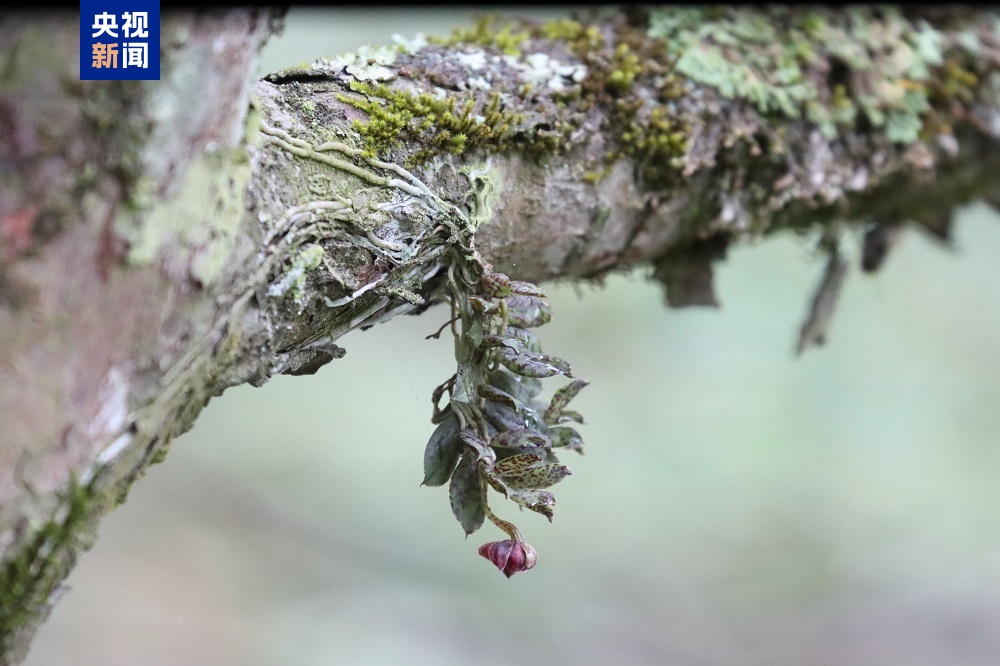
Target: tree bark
(163,241)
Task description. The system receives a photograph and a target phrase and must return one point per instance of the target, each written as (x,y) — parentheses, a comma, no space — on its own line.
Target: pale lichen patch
(541,70)
(486,187)
(479,83)
(203,214)
(886,60)
(474,60)
(294,279)
(409,46)
(365,64)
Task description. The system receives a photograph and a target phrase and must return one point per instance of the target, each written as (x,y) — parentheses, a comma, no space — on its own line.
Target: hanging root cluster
(492,433)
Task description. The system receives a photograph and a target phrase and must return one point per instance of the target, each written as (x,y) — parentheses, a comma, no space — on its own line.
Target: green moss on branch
(437,125)
(29,579)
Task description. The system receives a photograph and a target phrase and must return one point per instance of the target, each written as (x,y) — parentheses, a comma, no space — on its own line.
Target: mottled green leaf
(475,332)
(528,341)
(527,311)
(570,415)
(521,439)
(483,306)
(517,464)
(501,341)
(554,361)
(504,418)
(478,446)
(542,476)
(562,398)
(539,501)
(442,452)
(566,437)
(526,289)
(466,494)
(492,478)
(533,415)
(496,395)
(533,365)
(496,285)
(522,388)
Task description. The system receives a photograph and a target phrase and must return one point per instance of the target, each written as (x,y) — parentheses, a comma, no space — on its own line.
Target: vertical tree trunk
(119,209)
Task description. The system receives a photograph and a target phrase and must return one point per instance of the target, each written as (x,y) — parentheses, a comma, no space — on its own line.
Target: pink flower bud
(509,556)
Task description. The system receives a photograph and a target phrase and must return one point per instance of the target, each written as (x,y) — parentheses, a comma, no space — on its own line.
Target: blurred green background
(735,506)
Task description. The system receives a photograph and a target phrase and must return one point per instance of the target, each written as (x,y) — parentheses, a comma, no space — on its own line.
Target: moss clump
(958,81)
(28,579)
(643,129)
(617,66)
(657,144)
(580,38)
(955,84)
(488,31)
(438,124)
(626,68)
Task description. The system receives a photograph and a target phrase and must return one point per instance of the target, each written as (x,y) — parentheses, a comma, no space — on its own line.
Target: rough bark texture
(163,241)
(94,313)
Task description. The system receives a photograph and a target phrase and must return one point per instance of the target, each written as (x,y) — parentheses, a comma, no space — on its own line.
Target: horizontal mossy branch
(561,150)
(574,147)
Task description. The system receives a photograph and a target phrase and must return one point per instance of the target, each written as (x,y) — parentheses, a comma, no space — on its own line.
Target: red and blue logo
(119,40)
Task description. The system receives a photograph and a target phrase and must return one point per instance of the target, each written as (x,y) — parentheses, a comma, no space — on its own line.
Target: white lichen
(294,280)
(539,69)
(474,61)
(405,45)
(370,72)
(365,64)
(479,83)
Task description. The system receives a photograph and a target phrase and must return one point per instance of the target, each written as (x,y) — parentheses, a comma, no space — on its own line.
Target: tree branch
(164,241)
